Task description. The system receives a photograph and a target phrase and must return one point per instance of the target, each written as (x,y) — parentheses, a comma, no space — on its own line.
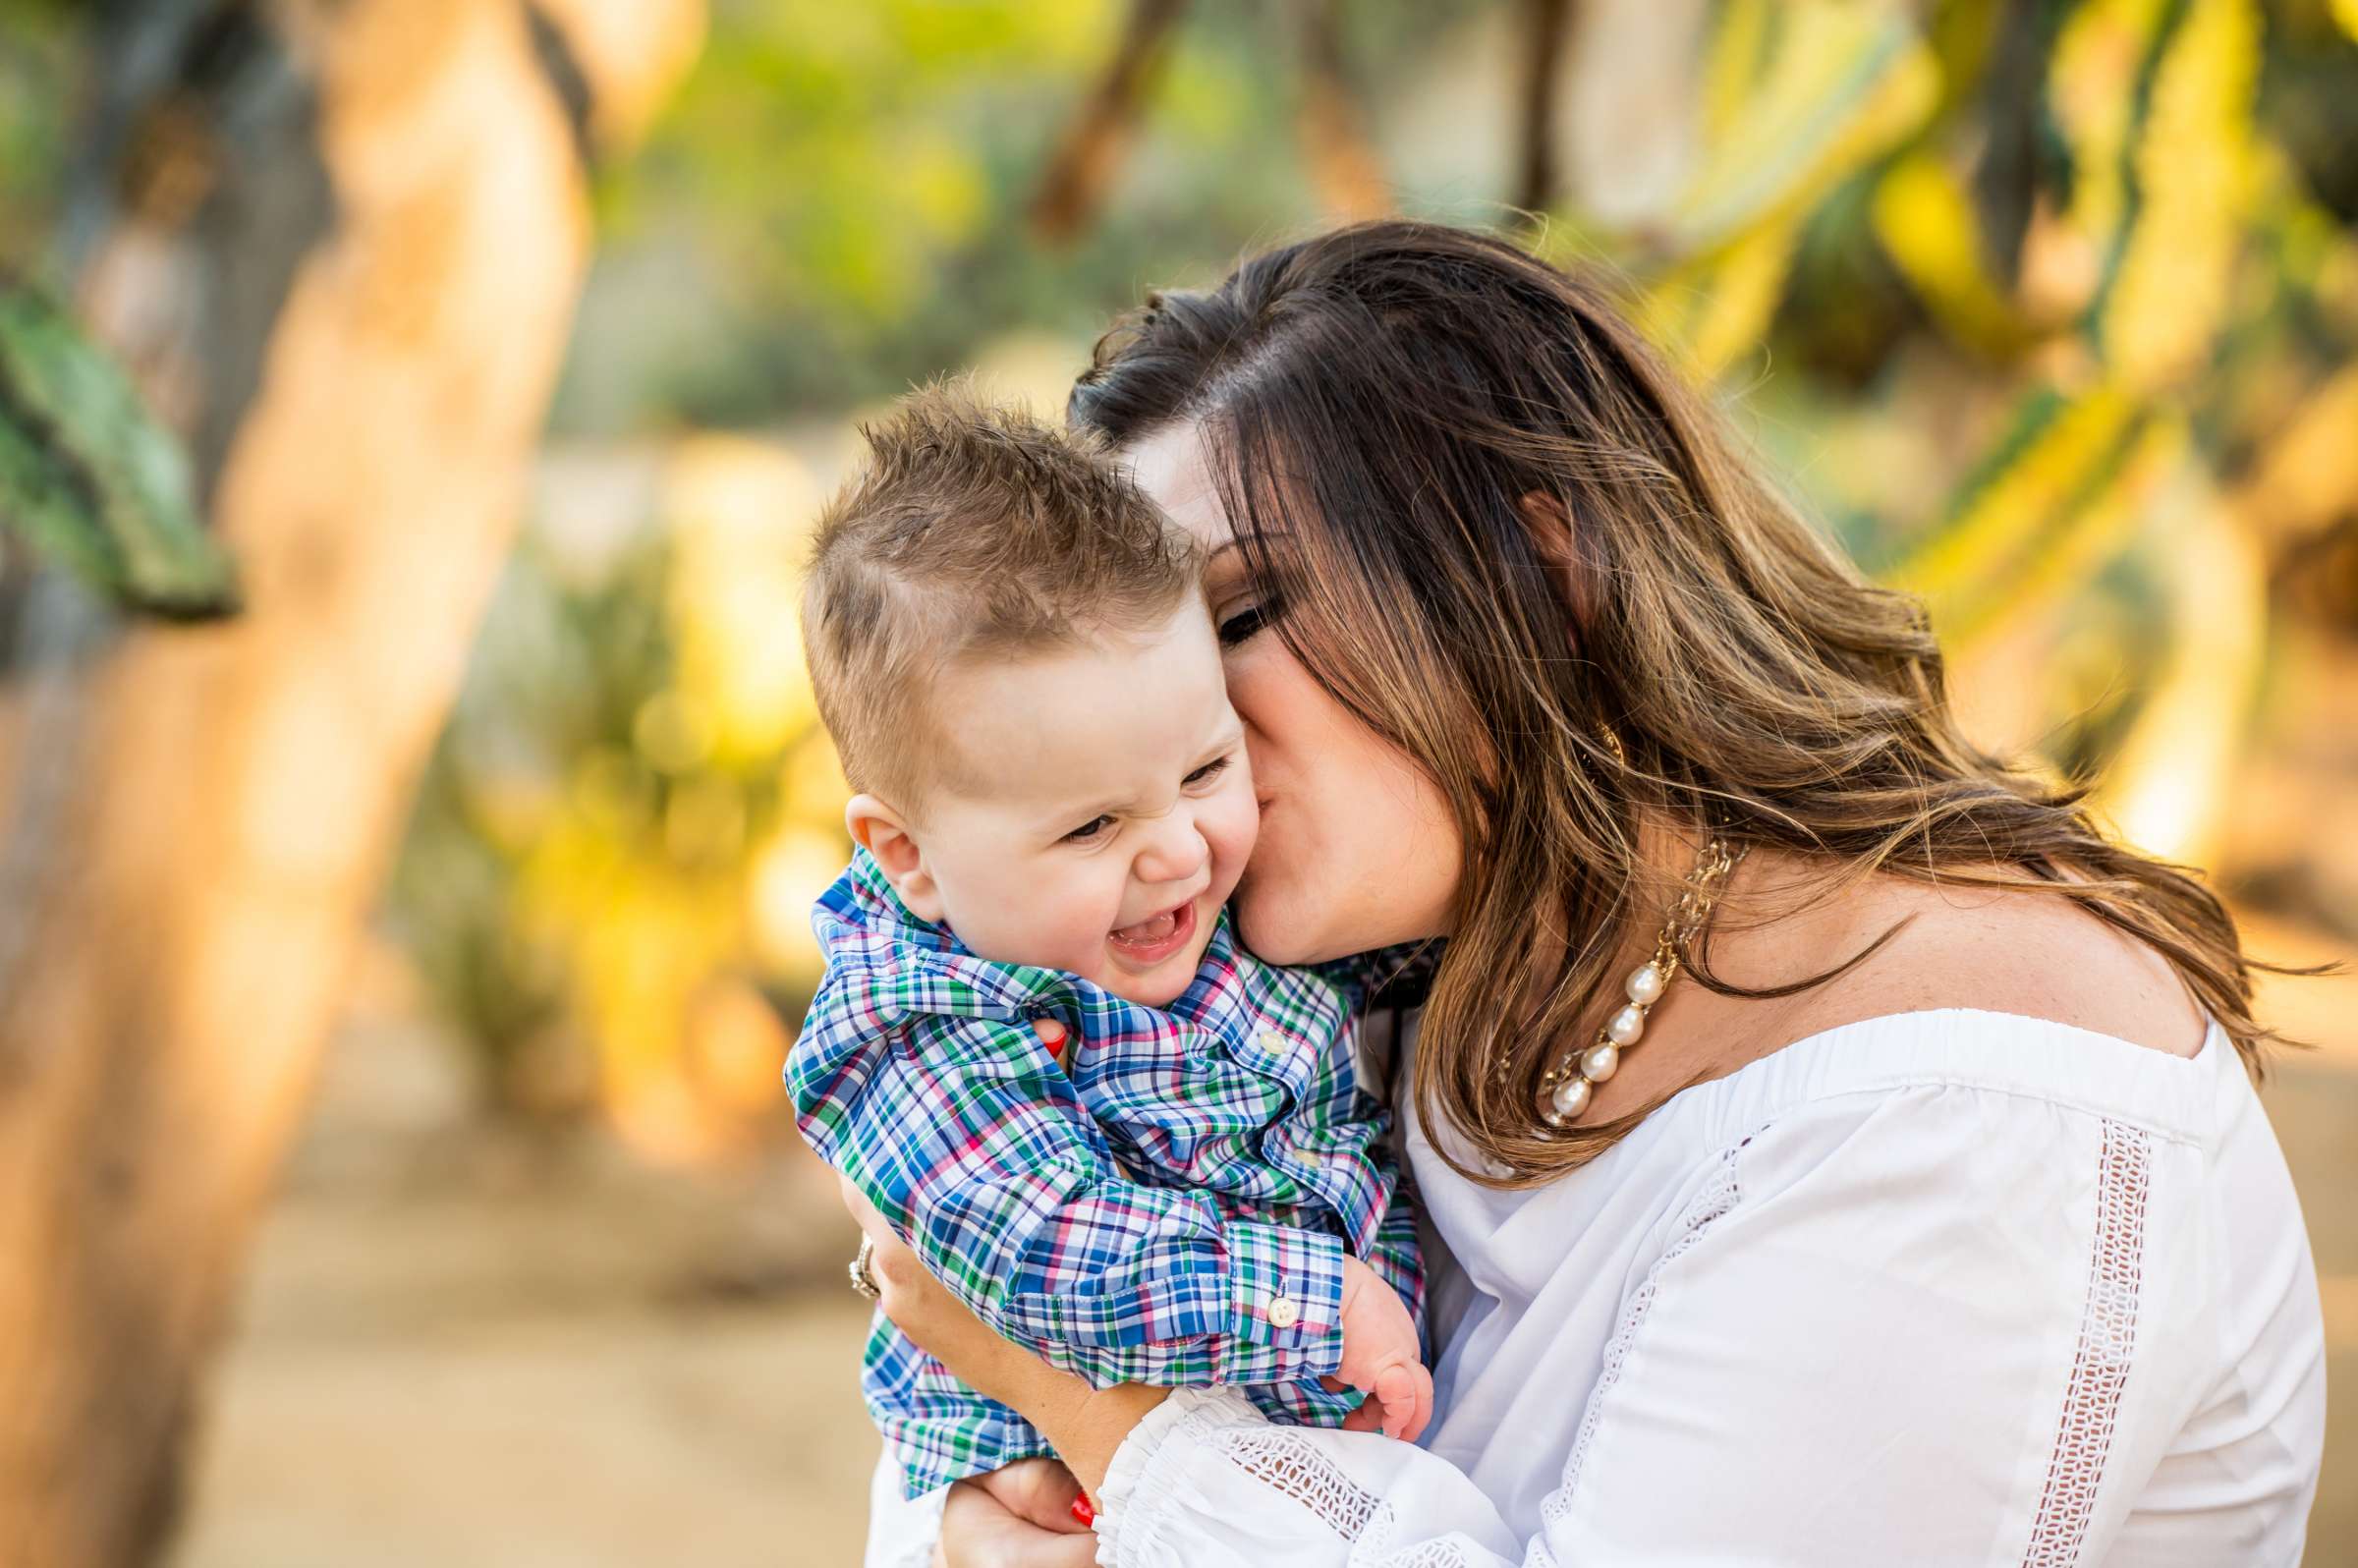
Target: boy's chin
(1158,989)
(1166,982)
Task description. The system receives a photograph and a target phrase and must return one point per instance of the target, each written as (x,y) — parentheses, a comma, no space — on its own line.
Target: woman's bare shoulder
(2022,952)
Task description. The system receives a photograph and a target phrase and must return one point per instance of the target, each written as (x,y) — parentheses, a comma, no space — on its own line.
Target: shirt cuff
(1125,1529)
(1285,1304)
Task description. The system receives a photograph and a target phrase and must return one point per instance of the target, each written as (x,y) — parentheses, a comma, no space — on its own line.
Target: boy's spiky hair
(974,530)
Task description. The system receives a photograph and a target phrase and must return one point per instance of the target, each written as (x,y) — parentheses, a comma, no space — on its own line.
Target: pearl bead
(1570,1098)
(1644,985)
(1597,1062)
(1626,1025)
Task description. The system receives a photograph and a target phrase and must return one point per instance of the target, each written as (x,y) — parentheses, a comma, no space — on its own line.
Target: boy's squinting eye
(1209,771)
(1089,830)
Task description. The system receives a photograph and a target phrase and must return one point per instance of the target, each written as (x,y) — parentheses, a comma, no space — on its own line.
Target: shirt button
(1269,1040)
(1283,1313)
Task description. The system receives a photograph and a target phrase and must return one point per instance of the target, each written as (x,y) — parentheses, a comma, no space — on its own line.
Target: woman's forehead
(1172,467)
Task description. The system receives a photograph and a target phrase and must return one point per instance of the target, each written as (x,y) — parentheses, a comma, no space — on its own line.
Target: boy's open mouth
(1158,935)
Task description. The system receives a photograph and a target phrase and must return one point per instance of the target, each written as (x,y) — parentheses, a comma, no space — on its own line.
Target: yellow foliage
(790,872)
(1796,98)
(1739,44)
(2094,530)
(2165,786)
(1927,224)
(948,191)
(2091,88)
(1838,85)
(1717,309)
(2059,497)
(741,511)
(2193,171)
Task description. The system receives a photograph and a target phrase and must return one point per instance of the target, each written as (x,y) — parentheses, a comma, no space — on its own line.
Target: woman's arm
(1085,1425)
(1933,1326)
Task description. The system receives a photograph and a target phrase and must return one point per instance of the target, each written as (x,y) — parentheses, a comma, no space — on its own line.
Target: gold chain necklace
(1565,1089)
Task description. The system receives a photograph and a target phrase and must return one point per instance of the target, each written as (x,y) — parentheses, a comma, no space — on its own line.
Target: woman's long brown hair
(1380,403)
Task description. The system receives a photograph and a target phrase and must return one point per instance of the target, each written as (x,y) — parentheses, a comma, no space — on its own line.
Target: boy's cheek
(1239,827)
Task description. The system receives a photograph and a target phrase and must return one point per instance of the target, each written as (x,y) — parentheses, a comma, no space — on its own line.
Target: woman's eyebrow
(1234,542)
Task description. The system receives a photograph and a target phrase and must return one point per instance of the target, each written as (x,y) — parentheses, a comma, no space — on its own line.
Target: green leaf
(89,480)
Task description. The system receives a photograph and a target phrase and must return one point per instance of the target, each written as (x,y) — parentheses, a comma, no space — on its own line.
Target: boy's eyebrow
(1229,736)
(1062,817)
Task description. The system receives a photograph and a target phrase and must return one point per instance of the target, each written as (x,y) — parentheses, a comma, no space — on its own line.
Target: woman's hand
(1086,1425)
(1017,1517)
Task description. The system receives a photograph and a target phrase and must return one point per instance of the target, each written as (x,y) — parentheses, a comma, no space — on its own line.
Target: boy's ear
(884,833)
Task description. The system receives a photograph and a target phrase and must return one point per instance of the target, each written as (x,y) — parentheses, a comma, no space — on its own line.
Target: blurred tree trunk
(340,243)
(1344,167)
(1082,168)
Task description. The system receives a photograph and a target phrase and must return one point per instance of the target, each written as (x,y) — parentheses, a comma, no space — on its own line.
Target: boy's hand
(1379,1354)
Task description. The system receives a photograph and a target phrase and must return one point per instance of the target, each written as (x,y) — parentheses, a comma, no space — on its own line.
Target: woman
(1833,1149)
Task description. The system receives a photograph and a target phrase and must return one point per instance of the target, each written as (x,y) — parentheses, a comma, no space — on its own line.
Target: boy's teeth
(1153,929)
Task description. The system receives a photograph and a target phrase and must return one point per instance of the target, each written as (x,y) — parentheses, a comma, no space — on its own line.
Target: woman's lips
(1157,936)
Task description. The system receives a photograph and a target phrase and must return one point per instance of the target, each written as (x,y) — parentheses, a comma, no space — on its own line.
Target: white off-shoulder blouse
(1942,1287)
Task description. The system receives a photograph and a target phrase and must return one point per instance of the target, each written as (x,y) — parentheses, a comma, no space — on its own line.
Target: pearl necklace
(1566,1088)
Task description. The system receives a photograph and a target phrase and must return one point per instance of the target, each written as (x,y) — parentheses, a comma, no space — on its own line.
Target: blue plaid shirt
(1171,1207)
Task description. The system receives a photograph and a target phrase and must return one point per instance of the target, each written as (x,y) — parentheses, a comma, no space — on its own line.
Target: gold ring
(861,1280)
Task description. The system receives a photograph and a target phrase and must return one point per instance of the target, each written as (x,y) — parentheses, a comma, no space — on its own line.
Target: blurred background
(410,412)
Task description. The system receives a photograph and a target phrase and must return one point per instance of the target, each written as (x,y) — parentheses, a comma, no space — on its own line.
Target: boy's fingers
(1370,1414)
(1422,1414)
(1396,1386)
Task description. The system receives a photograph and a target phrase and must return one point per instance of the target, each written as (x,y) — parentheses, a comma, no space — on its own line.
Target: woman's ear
(884,833)
(1557,540)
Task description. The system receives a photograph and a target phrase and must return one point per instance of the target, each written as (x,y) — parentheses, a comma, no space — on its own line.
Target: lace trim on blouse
(1284,1462)
(1709,1206)
(2100,1369)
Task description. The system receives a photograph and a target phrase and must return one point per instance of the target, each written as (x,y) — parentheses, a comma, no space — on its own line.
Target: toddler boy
(1009,644)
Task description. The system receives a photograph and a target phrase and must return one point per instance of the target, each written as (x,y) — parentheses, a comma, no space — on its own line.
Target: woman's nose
(1175,853)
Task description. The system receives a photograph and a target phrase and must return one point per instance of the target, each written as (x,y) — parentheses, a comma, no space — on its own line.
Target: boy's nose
(1175,855)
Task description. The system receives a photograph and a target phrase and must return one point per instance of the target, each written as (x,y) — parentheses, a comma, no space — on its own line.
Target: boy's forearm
(1262,1308)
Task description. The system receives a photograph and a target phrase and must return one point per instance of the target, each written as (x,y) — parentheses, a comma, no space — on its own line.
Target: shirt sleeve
(1906,1343)
(969,1137)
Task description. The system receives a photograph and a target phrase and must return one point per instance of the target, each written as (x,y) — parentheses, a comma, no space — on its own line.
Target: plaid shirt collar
(883,942)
